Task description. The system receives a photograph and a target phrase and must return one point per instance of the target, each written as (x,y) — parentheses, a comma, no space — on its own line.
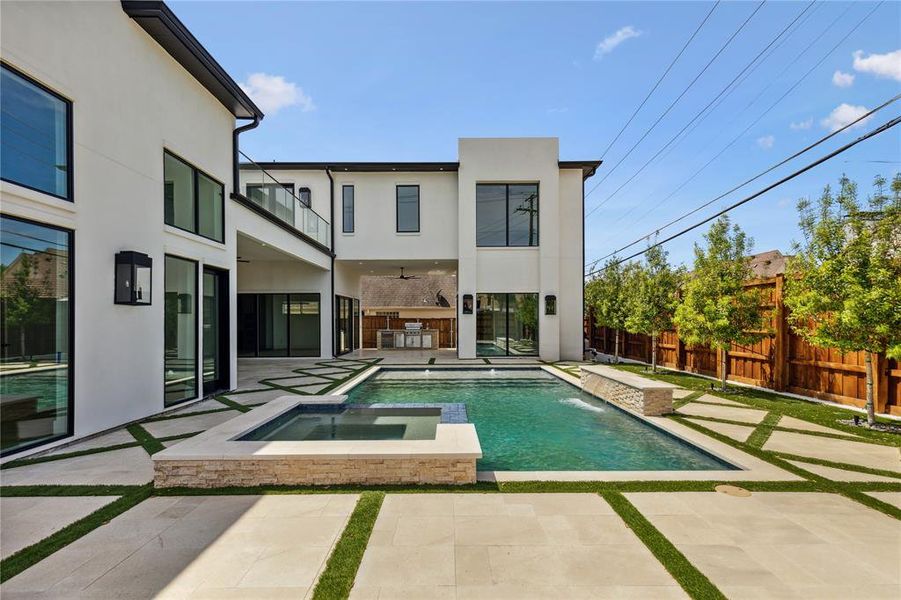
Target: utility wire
(660,80)
(763,114)
(698,115)
(881,129)
(674,102)
(754,178)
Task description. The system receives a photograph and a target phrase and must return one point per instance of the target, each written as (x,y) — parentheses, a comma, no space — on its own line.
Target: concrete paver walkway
(196,547)
(128,466)
(29,520)
(782,545)
(841,451)
(507,546)
(730,413)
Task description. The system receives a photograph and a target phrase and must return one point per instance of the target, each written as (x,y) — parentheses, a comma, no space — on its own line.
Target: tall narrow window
(506,214)
(347,209)
(303,194)
(36,312)
(407,208)
(180,324)
(35,144)
(192,200)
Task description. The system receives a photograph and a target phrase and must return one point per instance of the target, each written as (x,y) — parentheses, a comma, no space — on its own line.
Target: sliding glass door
(272,325)
(507,325)
(215,330)
(346,323)
(36,335)
(180,351)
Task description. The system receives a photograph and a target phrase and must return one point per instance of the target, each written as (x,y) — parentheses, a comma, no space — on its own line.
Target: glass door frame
(222,306)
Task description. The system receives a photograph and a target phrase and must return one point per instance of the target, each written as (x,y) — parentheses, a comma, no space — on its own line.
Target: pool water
(339,422)
(529,420)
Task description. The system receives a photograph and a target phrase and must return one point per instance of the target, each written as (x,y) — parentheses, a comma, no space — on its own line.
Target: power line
(755,177)
(674,102)
(698,115)
(763,114)
(660,80)
(881,129)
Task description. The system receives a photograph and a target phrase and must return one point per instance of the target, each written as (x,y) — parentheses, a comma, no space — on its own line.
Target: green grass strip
(26,557)
(150,444)
(838,465)
(695,583)
(15,491)
(182,415)
(487,362)
(689,398)
(337,578)
(432,361)
(874,503)
(232,404)
(763,431)
(24,462)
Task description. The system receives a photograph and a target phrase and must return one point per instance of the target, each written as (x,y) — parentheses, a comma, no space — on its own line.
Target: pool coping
(748,468)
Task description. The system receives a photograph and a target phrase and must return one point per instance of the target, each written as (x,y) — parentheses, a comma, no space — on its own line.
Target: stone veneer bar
(628,390)
(216,458)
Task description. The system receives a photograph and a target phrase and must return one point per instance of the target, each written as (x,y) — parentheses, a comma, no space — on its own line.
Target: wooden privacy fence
(447,330)
(781,360)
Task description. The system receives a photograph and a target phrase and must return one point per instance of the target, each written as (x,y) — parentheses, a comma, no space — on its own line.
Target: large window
(506,214)
(180,324)
(35,143)
(276,198)
(507,324)
(407,208)
(36,316)
(193,200)
(347,324)
(347,209)
(278,325)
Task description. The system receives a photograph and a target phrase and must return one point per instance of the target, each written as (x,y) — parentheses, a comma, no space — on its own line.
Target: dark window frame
(397,228)
(507,243)
(70,154)
(353,211)
(300,190)
(195,183)
(198,369)
(257,297)
(70,376)
(506,296)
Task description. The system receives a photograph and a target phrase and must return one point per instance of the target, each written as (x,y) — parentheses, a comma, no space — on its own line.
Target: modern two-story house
(142,254)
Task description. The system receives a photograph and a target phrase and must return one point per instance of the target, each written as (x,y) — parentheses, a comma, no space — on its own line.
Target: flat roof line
(588,167)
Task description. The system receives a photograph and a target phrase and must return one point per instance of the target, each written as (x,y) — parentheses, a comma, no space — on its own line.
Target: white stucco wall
(130,101)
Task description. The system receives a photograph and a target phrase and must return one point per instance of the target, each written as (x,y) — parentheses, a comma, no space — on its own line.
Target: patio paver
(258,397)
(841,474)
(785,545)
(745,415)
(128,466)
(893,498)
(793,423)
(111,438)
(197,547)
(841,451)
(29,520)
(736,432)
(507,545)
(188,423)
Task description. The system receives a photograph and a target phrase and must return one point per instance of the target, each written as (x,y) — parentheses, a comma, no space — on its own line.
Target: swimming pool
(529,420)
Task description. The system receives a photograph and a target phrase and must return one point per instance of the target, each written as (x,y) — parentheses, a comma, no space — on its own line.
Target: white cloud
(272,93)
(881,65)
(609,43)
(844,114)
(554,111)
(801,125)
(766,142)
(842,80)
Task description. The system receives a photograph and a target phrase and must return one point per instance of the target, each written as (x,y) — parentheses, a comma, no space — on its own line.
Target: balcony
(280,203)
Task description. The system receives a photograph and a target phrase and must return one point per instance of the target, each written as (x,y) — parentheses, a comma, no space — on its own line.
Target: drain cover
(733,490)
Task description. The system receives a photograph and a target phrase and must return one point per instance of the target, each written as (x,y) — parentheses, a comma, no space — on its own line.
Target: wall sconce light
(133,278)
(467,304)
(550,305)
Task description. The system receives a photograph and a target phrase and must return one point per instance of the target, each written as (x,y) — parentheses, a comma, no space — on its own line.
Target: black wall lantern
(550,305)
(133,278)
(467,304)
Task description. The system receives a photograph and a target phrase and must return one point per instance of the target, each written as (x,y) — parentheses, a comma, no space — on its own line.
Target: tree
(843,286)
(716,308)
(606,293)
(22,300)
(654,298)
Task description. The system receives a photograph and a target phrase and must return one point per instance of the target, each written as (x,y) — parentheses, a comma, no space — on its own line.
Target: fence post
(780,366)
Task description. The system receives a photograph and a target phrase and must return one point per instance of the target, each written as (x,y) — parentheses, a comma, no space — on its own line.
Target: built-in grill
(412,336)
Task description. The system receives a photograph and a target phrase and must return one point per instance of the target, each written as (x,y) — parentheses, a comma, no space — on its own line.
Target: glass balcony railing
(280,200)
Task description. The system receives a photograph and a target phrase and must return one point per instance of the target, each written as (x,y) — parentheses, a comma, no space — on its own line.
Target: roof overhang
(588,167)
(162,25)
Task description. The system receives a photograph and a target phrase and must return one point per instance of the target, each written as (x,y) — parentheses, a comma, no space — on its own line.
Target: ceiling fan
(405,277)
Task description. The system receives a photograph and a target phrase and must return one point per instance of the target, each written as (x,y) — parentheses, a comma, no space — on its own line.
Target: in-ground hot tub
(319,440)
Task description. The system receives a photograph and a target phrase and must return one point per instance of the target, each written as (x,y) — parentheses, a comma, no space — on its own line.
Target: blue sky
(402,81)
